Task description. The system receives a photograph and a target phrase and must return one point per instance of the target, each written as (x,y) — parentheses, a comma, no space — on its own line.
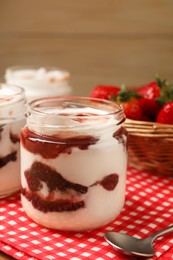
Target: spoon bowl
(133,246)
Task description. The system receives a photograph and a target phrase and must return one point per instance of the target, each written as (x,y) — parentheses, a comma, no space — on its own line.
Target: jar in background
(74,158)
(39,81)
(12,108)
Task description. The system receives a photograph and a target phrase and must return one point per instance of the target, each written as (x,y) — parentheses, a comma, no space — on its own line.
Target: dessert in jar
(12,107)
(39,82)
(74,157)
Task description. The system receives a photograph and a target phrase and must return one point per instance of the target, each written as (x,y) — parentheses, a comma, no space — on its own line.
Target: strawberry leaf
(160,82)
(113,98)
(126,95)
(167,93)
(160,101)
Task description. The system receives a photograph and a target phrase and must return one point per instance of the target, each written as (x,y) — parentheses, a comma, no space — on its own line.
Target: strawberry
(105,92)
(149,103)
(150,91)
(132,109)
(144,103)
(165,116)
(131,104)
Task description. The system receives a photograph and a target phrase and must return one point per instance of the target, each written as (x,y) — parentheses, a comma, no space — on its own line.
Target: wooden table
(3,256)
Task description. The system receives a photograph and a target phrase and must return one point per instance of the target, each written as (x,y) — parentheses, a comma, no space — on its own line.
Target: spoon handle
(161,232)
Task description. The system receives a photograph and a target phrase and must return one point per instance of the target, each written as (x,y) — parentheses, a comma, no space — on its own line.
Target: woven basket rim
(148,129)
(148,123)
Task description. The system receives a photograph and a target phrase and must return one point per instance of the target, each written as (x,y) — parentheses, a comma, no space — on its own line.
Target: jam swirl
(39,173)
(50,147)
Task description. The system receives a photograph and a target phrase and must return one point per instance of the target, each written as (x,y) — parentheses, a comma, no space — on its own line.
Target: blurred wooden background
(98,41)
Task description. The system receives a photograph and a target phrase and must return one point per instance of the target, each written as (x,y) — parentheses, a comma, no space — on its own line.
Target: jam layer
(13,155)
(58,205)
(14,138)
(40,173)
(8,158)
(50,147)
(121,135)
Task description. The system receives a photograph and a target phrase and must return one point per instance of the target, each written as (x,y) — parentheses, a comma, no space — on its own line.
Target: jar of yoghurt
(74,159)
(12,108)
(39,81)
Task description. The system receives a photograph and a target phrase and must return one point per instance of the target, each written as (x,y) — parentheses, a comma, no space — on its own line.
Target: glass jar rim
(12,69)
(114,108)
(17,95)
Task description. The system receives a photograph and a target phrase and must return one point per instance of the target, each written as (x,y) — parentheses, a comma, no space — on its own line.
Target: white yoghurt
(11,120)
(85,167)
(39,82)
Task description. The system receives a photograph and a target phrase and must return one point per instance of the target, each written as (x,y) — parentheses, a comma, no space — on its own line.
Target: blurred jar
(12,108)
(74,158)
(39,82)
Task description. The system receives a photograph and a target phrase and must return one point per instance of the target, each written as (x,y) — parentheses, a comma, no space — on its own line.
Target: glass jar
(12,101)
(39,81)
(74,158)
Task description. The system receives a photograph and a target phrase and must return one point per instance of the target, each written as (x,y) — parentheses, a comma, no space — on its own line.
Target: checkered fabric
(148,208)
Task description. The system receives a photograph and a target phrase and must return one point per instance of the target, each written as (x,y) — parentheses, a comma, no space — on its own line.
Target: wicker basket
(150,146)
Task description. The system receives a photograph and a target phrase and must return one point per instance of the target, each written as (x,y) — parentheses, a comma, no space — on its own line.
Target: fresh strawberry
(165,116)
(150,108)
(105,92)
(149,103)
(132,109)
(144,103)
(131,104)
(150,91)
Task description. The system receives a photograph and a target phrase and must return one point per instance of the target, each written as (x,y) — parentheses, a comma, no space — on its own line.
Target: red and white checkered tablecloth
(148,208)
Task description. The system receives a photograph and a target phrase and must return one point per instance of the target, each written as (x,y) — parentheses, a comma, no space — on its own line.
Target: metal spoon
(133,246)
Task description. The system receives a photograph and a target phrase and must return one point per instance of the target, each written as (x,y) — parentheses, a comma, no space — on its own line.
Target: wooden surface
(5,257)
(98,41)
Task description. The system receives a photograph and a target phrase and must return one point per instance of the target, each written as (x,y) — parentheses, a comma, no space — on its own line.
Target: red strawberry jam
(40,173)
(11,157)
(121,136)
(52,146)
